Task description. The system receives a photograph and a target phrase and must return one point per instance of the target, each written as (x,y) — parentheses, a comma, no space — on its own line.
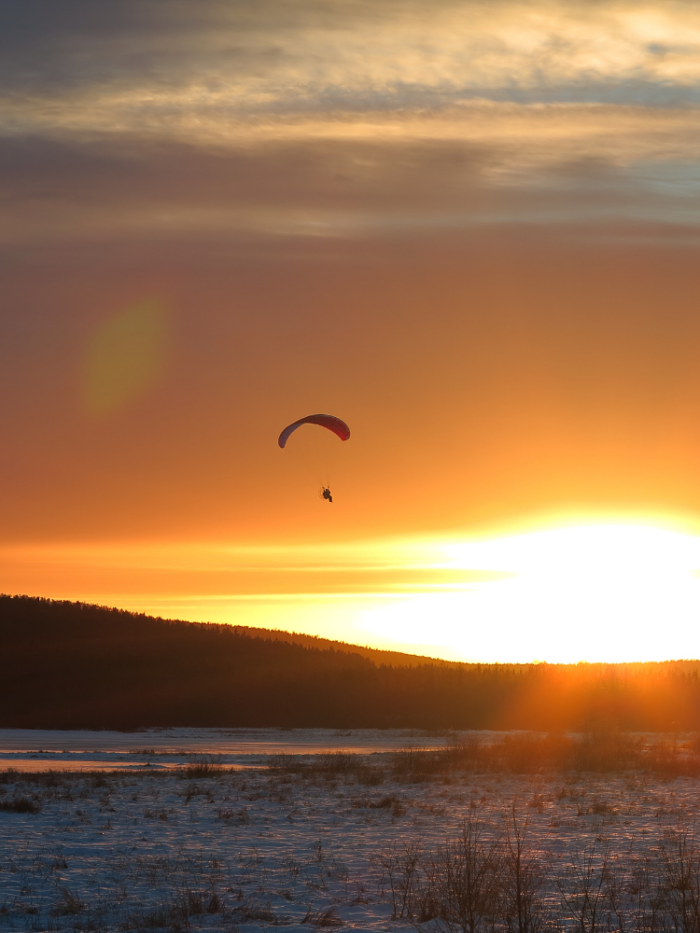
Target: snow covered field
(318,841)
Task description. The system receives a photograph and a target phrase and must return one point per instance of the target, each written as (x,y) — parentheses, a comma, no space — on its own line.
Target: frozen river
(42,750)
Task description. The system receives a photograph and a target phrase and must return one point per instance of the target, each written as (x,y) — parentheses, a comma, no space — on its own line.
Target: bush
(601,752)
(205,767)
(19,805)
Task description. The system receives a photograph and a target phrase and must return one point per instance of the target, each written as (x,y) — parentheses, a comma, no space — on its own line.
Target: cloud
(154,60)
(290,56)
(330,119)
(561,164)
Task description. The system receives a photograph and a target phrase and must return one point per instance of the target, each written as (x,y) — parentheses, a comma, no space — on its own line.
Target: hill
(72,665)
(377,655)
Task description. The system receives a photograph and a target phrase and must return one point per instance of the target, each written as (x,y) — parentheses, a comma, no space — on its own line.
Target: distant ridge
(72,665)
(378,655)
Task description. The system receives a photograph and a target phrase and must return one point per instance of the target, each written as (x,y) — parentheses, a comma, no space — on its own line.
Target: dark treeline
(71,665)
(380,656)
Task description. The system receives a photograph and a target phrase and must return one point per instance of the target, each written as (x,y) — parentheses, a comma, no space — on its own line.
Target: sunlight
(594,593)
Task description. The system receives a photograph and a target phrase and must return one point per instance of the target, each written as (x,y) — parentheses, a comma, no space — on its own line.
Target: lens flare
(125,356)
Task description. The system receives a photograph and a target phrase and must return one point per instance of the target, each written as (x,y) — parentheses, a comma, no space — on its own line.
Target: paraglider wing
(325,421)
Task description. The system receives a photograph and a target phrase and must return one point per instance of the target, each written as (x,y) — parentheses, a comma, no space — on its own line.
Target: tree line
(73,665)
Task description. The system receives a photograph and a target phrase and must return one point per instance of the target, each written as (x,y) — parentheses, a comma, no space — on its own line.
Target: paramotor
(330,422)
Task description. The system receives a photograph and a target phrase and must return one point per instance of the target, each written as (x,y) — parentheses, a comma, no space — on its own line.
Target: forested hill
(70,665)
(378,655)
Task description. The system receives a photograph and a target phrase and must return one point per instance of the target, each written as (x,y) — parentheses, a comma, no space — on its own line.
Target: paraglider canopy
(330,422)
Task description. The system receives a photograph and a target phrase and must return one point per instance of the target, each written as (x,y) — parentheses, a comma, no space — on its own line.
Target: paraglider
(325,421)
(331,423)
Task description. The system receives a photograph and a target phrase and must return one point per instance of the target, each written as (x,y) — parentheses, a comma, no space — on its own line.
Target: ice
(42,749)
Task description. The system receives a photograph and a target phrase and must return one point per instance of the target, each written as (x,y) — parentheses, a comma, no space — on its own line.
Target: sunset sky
(469,229)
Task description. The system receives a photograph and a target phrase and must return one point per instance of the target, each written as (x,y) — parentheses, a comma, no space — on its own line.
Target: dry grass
(530,753)
(20,805)
(206,766)
(328,768)
(323,918)
(604,752)
(481,880)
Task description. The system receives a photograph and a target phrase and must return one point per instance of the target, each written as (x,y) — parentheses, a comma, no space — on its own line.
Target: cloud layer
(346,117)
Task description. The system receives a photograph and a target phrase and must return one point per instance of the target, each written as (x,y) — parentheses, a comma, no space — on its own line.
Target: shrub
(206,767)
(20,805)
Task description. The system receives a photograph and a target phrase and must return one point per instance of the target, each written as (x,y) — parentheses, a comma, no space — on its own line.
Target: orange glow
(588,592)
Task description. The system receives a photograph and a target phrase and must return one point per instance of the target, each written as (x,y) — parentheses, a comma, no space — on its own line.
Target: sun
(607,592)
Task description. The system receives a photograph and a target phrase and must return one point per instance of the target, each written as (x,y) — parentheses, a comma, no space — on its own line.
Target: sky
(469,229)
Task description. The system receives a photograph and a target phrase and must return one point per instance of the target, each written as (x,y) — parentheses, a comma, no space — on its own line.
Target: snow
(245,849)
